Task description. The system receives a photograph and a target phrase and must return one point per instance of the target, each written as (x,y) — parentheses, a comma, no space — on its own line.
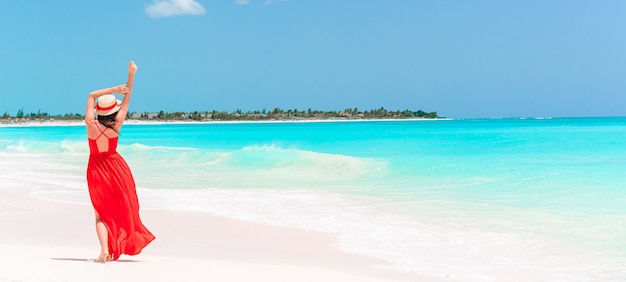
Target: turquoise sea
(475,200)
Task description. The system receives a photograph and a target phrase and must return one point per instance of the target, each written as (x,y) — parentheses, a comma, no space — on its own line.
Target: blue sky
(462,59)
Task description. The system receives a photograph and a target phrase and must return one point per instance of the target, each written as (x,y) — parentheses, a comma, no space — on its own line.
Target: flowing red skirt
(113,195)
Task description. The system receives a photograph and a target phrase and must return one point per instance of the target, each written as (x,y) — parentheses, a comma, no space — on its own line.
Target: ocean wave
(264,161)
(253,166)
(305,164)
(43,147)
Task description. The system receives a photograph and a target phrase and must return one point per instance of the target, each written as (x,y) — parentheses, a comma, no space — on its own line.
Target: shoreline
(57,239)
(35,123)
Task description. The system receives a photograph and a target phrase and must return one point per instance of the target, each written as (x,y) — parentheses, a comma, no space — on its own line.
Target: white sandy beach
(43,240)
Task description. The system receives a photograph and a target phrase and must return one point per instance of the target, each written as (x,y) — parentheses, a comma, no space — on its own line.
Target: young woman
(110,181)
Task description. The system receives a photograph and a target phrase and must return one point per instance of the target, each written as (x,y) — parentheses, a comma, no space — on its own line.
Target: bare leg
(103,237)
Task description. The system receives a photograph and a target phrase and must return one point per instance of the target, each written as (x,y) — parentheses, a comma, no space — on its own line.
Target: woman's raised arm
(124,89)
(91,100)
(121,115)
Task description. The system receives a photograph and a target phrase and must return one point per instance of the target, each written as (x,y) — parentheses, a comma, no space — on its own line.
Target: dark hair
(108,121)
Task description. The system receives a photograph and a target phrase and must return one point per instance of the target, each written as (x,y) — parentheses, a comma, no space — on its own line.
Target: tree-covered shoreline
(237,115)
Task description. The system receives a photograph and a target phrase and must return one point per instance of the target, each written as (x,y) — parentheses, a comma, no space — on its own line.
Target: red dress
(113,195)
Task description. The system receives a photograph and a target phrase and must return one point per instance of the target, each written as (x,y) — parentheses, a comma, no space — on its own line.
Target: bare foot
(104,257)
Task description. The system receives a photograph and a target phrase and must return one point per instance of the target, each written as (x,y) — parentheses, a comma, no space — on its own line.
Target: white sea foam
(435,238)
(440,246)
(438,241)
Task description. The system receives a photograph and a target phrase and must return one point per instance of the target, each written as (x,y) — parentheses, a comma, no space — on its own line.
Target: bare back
(100,134)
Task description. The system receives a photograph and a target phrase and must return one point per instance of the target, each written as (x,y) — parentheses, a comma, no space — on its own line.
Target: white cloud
(242,2)
(168,8)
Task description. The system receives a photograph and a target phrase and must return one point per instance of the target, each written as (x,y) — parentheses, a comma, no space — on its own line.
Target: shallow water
(508,199)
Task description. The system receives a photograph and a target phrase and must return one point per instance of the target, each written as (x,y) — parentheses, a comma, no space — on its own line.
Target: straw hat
(107,104)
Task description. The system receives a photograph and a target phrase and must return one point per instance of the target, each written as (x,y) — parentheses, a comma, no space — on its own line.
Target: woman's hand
(122,89)
(132,68)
